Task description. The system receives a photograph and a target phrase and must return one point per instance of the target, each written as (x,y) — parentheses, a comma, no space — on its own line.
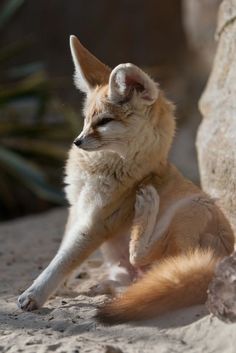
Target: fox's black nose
(78,142)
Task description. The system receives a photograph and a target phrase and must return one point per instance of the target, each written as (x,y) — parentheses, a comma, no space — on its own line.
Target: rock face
(216,145)
(216,140)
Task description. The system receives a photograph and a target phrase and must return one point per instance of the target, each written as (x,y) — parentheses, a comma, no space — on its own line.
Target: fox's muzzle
(78,142)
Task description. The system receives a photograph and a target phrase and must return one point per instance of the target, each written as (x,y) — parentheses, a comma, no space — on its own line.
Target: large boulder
(216,145)
(216,140)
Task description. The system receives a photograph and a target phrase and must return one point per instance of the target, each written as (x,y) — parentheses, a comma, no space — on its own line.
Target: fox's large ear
(89,71)
(126,79)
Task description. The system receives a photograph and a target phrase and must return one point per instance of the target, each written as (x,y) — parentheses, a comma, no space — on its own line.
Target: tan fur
(123,148)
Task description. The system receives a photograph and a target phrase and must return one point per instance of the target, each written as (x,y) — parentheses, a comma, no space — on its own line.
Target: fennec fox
(158,232)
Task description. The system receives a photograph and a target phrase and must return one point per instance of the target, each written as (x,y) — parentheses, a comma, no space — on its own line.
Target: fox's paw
(145,218)
(145,196)
(29,300)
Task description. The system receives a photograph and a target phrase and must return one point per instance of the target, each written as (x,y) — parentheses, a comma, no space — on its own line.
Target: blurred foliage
(9,10)
(35,131)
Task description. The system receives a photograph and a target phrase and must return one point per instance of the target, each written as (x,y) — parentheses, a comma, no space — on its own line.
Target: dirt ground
(66,324)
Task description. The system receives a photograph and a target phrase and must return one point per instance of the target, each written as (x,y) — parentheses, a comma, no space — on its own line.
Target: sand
(66,325)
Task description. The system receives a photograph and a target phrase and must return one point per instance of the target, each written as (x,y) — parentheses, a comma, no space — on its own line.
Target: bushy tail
(176,282)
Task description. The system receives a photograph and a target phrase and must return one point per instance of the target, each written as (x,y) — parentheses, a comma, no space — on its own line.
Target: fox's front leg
(145,218)
(80,242)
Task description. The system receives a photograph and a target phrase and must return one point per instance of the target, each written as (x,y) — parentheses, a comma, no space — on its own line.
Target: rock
(216,146)
(216,140)
(222,290)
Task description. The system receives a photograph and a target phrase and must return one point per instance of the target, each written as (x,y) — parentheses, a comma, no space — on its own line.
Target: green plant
(32,144)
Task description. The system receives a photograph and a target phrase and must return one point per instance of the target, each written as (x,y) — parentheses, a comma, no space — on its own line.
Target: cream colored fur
(125,197)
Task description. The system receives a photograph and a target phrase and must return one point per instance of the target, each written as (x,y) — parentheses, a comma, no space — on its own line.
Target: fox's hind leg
(142,232)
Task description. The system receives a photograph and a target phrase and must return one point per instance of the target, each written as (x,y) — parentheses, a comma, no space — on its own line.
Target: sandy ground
(66,323)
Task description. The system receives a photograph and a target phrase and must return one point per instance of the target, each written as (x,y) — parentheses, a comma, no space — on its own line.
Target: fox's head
(124,107)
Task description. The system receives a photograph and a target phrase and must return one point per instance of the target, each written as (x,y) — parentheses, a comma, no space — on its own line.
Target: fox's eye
(104,121)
